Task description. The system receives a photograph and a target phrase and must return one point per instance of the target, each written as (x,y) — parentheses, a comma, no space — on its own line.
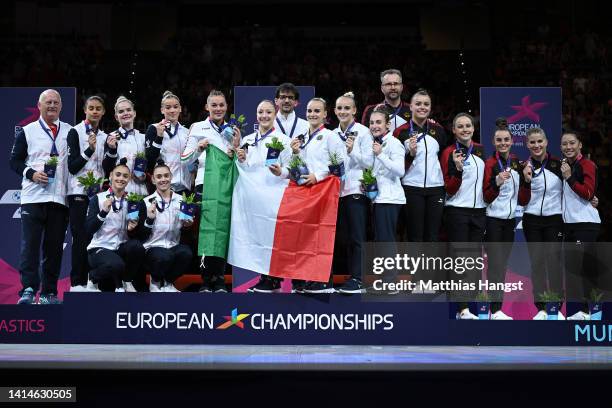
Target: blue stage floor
(243,357)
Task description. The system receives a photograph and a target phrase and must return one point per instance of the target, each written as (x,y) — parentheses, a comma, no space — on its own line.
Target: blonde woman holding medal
(500,192)
(127,142)
(114,253)
(463,169)
(541,194)
(253,155)
(314,149)
(353,208)
(167,140)
(85,154)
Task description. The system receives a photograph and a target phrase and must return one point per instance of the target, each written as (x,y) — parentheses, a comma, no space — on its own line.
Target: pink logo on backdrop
(34,114)
(526,110)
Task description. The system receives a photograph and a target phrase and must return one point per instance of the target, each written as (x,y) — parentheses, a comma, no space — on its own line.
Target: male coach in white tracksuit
(44,215)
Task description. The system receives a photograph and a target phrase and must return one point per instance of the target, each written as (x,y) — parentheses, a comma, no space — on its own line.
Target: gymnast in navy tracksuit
(581,225)
(500,192)
(85,154)
(423,181)
(541,193)
(463,169)
(113,254)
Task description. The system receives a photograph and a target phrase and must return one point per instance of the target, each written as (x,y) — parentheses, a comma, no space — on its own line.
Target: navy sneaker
(352,286)
(27,297)
(218,285)
(205,288)
(298,285)
(266,284)
(49,299)
(319,287)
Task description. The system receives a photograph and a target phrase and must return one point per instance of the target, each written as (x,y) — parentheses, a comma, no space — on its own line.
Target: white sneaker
(169,287)
(119,290)
(92,287)
(78,288)
(129,287)
(541,315)
(579,316)
(499,315)
(465,314)
(154,287)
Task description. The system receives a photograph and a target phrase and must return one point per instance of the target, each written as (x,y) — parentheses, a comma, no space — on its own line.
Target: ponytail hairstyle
(384,110)
(349,95)
(121,99)
(462,115)
(318,99)
(122,163)
(169,95)
(420,92)
(160,163)
(93,98)
(501,124)
(536,131)
(215,92)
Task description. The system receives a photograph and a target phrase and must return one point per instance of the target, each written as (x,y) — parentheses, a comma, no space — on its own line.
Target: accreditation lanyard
(172,134)
(425,130)
(499,162)
(259,139)
(49,133)
(469,151)
(544,163)
(344,135)
(295,121)
(312,136)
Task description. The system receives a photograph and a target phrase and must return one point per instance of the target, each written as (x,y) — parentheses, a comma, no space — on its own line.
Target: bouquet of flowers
(51,168)
(133,200)
(90,183)
(369,184)
(275,147)
(297,169)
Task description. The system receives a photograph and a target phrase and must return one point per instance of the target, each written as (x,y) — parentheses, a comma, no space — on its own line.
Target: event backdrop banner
(19,110)
(525,108)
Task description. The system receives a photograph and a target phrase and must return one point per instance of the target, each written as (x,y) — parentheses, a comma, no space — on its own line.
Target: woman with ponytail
(126,143)
(160,228)
(353,208)
(500,192)
(167,140)
(85,154)
(113,255)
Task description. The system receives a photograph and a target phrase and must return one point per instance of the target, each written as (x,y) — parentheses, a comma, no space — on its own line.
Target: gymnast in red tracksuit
(541,192)
(463,170)
(581,224)
(500,192)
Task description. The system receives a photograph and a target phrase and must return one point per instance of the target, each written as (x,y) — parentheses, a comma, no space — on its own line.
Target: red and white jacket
(464,188)
(501,200)
(578,191)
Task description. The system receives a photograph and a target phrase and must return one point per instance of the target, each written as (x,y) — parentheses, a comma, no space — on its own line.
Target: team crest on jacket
(514,165)
(553,165)
(319,137)
(432,132)
(407,115)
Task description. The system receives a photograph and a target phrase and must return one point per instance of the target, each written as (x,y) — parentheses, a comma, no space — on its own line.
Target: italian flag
(281,229)
(220,176)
